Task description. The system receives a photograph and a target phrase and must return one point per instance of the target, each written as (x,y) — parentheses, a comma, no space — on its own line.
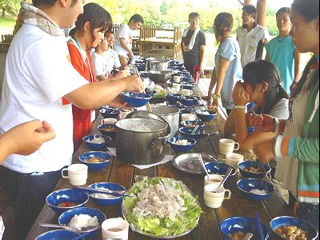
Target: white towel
(193,38)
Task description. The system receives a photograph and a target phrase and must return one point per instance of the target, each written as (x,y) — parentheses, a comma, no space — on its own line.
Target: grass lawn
(6,25)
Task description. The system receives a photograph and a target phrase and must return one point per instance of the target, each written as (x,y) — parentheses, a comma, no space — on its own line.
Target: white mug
(115,228)
(77,174)
(214,178)
(232,159)
(176,86)
(177,79)
(108,121)
(185,92)
(188,117)
(228,146)
(213,198)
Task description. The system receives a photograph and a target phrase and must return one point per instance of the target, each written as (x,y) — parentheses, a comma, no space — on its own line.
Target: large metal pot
(160,76)
(141,141)
(171,115)
(157,65)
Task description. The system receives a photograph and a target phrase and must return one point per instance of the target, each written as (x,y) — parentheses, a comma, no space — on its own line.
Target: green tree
(9,6)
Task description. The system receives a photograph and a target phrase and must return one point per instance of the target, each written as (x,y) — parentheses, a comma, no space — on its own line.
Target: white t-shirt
(106,63)
(249,41)
(37,76)
(125,33)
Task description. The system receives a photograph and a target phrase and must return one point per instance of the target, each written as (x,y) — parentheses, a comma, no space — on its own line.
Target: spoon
(68,228)
(258,219)
(194,131)
(248,236)
(204,167)
(103,191)
(225,178)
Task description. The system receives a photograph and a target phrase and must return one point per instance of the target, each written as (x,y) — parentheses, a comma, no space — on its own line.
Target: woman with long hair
(297,150)
(88,33)
(262,86)
(228,68)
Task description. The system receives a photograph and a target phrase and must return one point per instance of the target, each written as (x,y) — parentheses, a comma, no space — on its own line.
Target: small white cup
(188,117)
(115,228)
(109,121)
(177,79)
(214,178)
(228,146)
(185,92)
(233,159)
(77,174)
(214,198)
(176,86)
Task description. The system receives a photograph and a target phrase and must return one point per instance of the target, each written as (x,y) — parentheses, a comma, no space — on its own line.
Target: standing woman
(88,33)
(228,63)
(297,151)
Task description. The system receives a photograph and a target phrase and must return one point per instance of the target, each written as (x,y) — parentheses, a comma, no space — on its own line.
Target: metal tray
(189,163)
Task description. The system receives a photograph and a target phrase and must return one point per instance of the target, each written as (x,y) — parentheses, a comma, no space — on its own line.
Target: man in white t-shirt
(105,59)
(36,79)
(250,34)
(123,43)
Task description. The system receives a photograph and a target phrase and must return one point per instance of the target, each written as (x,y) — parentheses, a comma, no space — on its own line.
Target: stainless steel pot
(171,115)
(157,65)
(160,76)
(141,141)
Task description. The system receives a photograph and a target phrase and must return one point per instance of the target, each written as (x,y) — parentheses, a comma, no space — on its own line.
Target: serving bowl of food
(136,99)
(58,234)
(106,200)
(294,228)
(188,132)
(96,142)
(95,160)
(172,209)
(110,112)
(83,219)
(193,124)
(66,199)
(108,130)
(182,144)
(206,115)
(220,168)
(255,189)
(187,100)
(172,98)
(249,169)
(238,227)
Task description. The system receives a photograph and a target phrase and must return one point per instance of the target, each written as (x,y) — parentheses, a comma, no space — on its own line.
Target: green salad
(161,207)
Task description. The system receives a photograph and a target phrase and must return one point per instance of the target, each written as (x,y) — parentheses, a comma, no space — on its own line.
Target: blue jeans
(28,193)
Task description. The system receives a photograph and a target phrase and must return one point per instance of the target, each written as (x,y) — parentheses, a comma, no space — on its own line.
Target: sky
(274,4)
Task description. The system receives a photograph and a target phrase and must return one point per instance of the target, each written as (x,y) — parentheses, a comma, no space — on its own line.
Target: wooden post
(262,13)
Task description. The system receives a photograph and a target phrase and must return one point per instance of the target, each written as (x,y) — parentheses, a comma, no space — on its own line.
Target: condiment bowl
(265,170)
(102,156)
(67,196)
(182,148)
(206,115)
(249,184)
(108,130)
(96,146)
(136,99)
(220,169)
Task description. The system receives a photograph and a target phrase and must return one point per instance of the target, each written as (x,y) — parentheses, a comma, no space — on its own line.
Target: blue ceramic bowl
(193,124)
(187,101)
(179,148)
(108,130)
(96,146)
(242,224)
(110,186)
(189,86)
(298,222)
(95,166)
(110,112)
(172,98)
(57,235)
(220,169)
(186,131)
(246,185)
(66,217)
(66,195)
(206,117)
(186,78)
(136,99)
(264,168)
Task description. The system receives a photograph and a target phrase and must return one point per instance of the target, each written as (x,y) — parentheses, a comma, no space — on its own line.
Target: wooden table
(208,228)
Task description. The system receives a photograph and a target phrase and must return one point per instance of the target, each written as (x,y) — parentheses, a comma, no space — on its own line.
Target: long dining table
(209,223)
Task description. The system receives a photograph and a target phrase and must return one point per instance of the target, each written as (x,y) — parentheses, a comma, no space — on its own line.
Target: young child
(228,68)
